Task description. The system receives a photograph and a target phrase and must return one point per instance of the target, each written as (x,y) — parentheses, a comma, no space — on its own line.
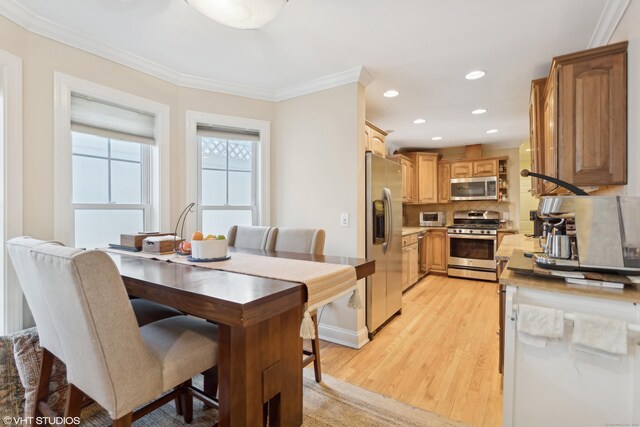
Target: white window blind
(101,118)
(228,133)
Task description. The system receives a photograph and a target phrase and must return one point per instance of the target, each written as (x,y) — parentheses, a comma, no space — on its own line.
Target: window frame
(64,218)
(261,215)
(146,187)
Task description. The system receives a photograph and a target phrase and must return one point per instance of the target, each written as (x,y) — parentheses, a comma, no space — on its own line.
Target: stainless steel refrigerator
(384,240)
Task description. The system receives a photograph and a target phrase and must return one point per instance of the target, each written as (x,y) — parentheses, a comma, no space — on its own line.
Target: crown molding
(19,14)
(609,19)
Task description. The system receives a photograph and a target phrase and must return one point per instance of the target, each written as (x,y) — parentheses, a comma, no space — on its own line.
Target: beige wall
(629,29)
(317,173)
(41,57)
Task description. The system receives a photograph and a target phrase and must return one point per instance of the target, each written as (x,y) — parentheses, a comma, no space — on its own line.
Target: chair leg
(46,366)
(211,382)
(315,349)
(124,421)
(75,397)
(187,402)
(178,401)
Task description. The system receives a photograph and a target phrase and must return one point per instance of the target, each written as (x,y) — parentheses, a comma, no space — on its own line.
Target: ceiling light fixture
(419,121)
(492,131)
(391,94)
(474,75)
(436,138)
(243,14)
(479,111)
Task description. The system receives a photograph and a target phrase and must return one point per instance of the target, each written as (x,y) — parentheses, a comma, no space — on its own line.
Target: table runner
(325,282)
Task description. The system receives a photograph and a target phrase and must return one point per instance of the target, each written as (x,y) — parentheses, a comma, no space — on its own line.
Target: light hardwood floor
(441,354)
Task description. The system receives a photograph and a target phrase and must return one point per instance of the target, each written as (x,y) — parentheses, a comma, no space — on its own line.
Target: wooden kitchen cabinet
(408,180)
(410,266)
(426,177)
(375,139)
(584,137)
(405,267)
(437,251)
(444,182)
(462,170)
(413,264)
(536,136)
(485,167)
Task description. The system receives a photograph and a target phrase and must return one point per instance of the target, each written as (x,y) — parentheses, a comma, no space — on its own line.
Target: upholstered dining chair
(302,240)
(145,311)
(108,357)
(249,237)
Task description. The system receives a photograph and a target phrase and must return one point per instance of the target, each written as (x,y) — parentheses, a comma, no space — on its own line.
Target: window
(111,171)
(227,178)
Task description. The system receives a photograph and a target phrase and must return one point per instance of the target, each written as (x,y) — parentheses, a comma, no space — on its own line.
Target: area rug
(331,403)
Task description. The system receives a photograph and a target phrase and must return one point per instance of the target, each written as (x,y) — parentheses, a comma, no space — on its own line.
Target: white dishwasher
(560,386)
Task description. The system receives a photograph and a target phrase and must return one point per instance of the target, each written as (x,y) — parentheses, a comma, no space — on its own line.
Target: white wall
(629,29)
(318,173)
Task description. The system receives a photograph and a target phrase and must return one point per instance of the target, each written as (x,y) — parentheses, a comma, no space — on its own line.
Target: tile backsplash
(411,213)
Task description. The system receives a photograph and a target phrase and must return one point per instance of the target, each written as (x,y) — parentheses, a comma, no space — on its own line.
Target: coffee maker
(597,233)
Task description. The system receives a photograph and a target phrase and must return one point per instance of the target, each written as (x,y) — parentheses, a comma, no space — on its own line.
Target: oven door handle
(471,236)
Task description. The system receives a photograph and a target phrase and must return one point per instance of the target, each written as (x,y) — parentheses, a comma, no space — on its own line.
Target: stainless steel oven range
(472,244)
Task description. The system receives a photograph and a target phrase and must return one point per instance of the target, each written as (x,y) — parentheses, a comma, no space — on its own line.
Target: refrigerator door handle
(389,219)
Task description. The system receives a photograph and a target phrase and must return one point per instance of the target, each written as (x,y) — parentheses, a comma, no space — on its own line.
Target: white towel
(599,335)
(539,326)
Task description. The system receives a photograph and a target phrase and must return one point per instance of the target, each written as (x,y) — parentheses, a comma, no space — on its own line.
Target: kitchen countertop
(406,231)
(516,241)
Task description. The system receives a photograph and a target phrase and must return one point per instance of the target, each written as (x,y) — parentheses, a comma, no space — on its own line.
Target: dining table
(259,343)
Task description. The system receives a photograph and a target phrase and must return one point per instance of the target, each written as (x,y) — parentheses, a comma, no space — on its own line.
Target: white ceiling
(422,48)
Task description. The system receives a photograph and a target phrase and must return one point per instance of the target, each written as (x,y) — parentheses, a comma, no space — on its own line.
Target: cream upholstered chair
(302,240)
(249,237)
(146,311)
(108,357)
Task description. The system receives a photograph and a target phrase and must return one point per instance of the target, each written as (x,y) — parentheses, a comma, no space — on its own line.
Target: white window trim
(193,118)
(63,219)
(11,157)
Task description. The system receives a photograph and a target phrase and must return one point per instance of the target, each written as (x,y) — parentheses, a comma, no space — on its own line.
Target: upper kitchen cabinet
(408,177)
(426,177)
(462,170)
(585,118)
(485,167)
(536,113)
(374,139)
(444,182)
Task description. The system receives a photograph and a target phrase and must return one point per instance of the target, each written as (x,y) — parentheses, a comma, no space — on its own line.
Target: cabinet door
(405,267)
(427,177)
(536,123)
(407,180)
(485,168)
(444,182)
(424,256)
(413,264)
(438,250)
(411,181)
(367,138)
(592,97)
(462,170)
(550,140)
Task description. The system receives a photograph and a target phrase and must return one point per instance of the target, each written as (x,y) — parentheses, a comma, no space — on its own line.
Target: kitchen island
(575,386)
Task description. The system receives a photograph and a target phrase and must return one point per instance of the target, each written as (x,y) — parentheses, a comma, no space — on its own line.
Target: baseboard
(343,336)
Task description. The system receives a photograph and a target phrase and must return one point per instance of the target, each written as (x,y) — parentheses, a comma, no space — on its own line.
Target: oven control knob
(482,231)
(470,231)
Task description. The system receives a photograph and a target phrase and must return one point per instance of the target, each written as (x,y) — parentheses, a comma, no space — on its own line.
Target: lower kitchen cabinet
(437,251)
(410,270)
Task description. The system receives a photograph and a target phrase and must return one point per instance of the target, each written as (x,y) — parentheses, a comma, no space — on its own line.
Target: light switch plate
(344,219)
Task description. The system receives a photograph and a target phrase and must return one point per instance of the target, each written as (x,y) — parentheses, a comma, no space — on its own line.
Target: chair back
(105,353)
(19,249)
(302,240)
(249,237)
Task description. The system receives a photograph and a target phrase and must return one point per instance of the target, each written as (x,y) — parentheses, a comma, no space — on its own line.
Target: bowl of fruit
(208,248)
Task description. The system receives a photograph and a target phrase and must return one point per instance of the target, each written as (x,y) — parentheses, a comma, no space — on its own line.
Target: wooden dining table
(259,344)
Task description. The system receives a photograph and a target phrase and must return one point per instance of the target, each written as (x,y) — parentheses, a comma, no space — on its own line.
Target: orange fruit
(197,235)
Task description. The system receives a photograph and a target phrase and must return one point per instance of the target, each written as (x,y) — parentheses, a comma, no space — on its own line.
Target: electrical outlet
(344,219)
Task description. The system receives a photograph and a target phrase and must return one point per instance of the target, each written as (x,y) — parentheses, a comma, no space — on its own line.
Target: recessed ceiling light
(391,94)
(436,138)
(479,111)
(474,75)
(419,121)
(492,131)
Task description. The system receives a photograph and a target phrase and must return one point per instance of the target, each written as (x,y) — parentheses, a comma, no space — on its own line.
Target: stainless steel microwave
(481,188)
(433,219)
